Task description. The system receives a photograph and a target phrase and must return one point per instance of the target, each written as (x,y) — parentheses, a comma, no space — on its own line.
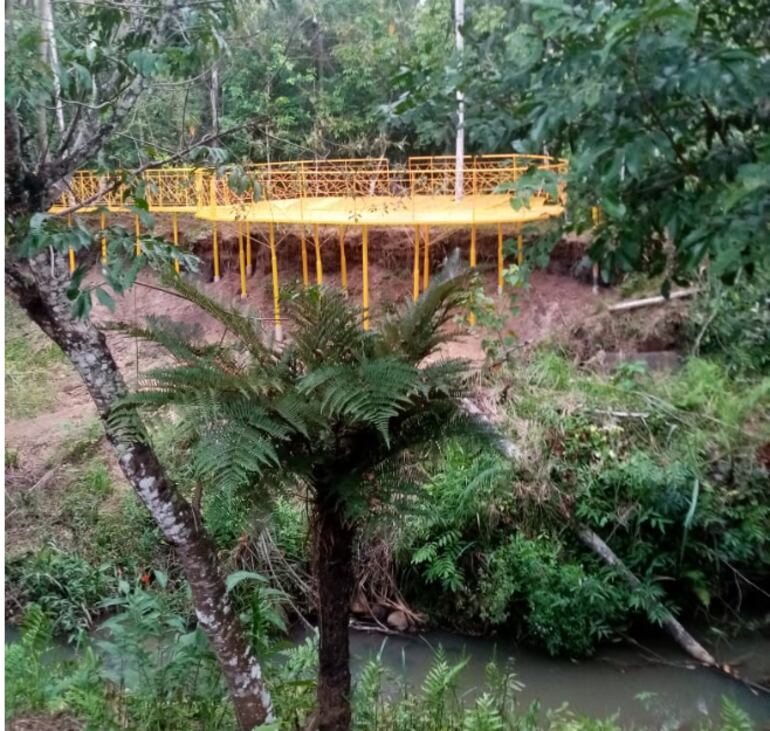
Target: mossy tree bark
(333,553)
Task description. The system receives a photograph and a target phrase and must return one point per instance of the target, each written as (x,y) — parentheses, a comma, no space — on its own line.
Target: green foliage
(65,587)
(457,507)
(170,676)
(734,718)
(654,104)
(33,364)
(733,323)
(26,686)
(665,467)
(568,609)
(11,458)
(149,672)
(335,404)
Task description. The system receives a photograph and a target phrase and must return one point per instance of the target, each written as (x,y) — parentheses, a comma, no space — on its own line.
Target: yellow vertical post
(520,248)
(343,261)
(303,251)
(500,260)
(215,247)
(319,270)
(214,233)
(102,226)
(71,253)
(416,266)
(365,274)
(137,236)
(426,257)
(274,267)
(242,259)
(472,316)
(249,265)
(175,233)
(595,217)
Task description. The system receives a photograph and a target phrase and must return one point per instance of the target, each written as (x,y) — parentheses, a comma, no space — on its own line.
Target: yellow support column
(319,270)
(242,260)
(595,218)
(416,267)
(500,260)
(303,251)
(520,248)
(472,317)
(343,261)
(102,226)
(365,274)
(276,302)
(137,236)
(426,258)
(214,237)
(249,264)
(215,253)
(175,232)
(71,252)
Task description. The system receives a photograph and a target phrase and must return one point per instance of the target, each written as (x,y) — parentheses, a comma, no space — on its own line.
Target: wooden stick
(657,300)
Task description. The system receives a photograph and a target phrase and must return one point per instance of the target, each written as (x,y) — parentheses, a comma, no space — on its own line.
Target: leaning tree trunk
(333,552)
(40,288)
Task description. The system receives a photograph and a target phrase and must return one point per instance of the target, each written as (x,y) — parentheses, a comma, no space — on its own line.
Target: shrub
(66,588)
(567,608)
(733,322)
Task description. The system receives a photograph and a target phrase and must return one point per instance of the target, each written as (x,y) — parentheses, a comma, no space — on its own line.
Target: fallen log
(670,623)
(657,300)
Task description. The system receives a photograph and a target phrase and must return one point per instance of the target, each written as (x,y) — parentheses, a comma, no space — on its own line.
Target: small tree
(330,412)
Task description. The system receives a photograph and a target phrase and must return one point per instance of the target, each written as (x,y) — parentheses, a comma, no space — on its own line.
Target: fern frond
(418,328)
(733,717)
(242,327)
(327,327)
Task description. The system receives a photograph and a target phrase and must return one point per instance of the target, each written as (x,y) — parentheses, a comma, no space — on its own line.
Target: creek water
(656,689)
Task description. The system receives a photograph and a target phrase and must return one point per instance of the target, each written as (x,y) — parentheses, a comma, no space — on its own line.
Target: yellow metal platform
(385,211)
(365,193)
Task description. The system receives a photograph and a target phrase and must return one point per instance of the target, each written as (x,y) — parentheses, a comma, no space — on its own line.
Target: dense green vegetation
(664,463)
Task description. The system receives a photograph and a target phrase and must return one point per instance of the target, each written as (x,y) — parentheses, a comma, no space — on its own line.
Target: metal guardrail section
(180,190)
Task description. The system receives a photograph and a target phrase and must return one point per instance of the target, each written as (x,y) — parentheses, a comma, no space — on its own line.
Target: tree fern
(330,411)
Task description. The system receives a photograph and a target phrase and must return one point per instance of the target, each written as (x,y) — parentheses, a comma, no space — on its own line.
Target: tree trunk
(334,574)
(41,292)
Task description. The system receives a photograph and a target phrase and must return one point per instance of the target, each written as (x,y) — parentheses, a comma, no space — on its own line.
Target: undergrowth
(149,671)
(32,365)
(666,467)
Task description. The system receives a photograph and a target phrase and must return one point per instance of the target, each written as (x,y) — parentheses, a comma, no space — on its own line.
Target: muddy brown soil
(552,304)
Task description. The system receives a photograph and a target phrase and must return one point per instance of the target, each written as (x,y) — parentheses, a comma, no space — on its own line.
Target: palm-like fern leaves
(245,329)
(420,327)
(259,410)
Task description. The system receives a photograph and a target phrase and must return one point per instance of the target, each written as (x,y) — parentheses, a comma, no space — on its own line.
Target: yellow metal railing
(180,190)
